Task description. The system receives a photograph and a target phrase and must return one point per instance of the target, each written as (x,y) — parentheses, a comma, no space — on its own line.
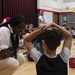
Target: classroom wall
(57,5)
(70,5)
(48,16)
(49,4)
(51,7)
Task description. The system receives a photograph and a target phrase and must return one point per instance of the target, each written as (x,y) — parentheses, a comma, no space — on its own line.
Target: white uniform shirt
(5,41)
(41,18)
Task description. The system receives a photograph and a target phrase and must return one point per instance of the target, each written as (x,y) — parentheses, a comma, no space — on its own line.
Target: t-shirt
(41,18)
(51,65)
(5,41)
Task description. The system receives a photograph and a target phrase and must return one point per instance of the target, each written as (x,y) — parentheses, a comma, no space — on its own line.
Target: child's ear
(44,44)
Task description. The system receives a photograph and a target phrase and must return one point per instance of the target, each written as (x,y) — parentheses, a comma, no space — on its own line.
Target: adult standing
(41,18)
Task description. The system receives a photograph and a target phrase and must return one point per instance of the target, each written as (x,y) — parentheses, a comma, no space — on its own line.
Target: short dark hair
(41,12)
(52,38)
(17,19)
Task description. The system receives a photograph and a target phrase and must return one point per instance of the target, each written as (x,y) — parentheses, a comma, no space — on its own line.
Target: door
(56,18)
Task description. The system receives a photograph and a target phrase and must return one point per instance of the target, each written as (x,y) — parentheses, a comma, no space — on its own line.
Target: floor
(28,68)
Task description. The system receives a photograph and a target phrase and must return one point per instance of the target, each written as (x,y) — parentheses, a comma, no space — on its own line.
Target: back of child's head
(52,38)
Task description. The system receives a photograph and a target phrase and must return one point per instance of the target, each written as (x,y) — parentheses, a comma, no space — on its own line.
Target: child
(50,63)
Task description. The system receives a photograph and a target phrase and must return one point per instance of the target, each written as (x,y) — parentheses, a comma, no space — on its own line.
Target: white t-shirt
(41,18)
(35,54)
(4,38)
(73,32)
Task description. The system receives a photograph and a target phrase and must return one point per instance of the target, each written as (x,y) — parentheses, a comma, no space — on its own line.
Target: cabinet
(67,19)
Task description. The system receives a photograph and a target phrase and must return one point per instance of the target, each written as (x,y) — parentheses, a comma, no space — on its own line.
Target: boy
(50,63)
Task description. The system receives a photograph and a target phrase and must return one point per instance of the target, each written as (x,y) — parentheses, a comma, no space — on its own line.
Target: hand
(45,26)
(42,28)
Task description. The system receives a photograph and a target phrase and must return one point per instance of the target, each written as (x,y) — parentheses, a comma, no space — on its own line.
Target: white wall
(49,4)
(68,1)
(56,6)
(48,16)
(71,5)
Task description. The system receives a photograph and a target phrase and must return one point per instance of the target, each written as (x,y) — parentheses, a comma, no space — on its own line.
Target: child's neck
(51,53)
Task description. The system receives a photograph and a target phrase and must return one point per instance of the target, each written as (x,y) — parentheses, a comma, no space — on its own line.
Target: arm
(66,34)
(30,37)
(34,53)
(40,21)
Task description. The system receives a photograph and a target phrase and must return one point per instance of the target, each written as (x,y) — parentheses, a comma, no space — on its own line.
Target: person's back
(50,63)
(51,66)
